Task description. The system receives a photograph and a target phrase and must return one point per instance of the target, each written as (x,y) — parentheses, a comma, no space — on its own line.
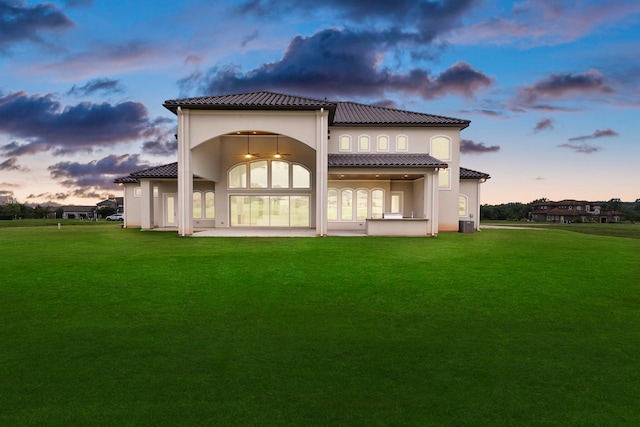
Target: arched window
(210,205)
(364,143)
(259,174)
(265,174)
(362,204)
(301,177)
(346,204)
(332,204)
(402,143)
(197,204)
(377,203)
(462,205)
(238,176)
(383,143)
(441,147)
(345,143)
(354,205)
(279,174)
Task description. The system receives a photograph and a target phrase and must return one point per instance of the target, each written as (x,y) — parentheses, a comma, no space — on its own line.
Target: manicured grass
(631,230)
(108,326)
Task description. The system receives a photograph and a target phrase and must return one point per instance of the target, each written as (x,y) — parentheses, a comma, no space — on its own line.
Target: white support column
(185,175)
(146,205)
(322,172)
(434,203)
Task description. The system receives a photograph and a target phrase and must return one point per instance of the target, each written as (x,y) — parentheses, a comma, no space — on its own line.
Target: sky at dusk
(552,88)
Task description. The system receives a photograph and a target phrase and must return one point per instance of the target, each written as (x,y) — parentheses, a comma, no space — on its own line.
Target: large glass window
(270,174)
(441,148)
(269,211)
(238,176)
(197,204)
(346,204)
(301,177)
(279,174)
(332,205)
(377,203)
(259,174)
(210,205)
(367,204)
(362,204)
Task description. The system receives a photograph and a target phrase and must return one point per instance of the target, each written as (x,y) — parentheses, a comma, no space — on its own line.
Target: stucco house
(264,159)
(570,210)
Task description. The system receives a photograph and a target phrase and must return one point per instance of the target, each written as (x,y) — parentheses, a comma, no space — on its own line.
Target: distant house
(263,159)
(568,210)
(78,212)
(116,203)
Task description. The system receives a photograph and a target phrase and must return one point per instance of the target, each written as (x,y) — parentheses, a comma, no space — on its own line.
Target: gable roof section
(251,101)
(168,171)
(385,160)
(340,113)
(355,114)
(471,174)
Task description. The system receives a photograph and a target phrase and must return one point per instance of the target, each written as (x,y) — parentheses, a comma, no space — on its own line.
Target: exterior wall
(471,189)
(132,208)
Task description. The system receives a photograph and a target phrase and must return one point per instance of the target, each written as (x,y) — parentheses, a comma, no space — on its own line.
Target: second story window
(363,143)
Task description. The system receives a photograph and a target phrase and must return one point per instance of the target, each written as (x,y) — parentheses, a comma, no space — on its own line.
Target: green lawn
(107,326)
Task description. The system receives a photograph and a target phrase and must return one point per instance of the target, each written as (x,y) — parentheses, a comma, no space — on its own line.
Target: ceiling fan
(248,154)
(278,154)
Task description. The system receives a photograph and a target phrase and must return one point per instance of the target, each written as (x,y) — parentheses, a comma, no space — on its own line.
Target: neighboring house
(78,212)
(264,159)
(115,203)
(566,211)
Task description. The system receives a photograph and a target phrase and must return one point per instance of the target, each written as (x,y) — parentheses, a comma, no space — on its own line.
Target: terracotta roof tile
(471,174)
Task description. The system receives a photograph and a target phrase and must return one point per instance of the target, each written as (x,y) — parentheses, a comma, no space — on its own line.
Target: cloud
(47,126)
(563,85)
(468,146)
(23,23)
(543,124)
(337,63)
(596,134)
(104,86)
(11,164)
(120,58)
(5,196)
(97,174)
(583,148)
(421,21)
(547,22)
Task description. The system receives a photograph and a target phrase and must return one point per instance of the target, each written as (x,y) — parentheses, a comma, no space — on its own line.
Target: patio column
(322,172)
(146,205)
(433,209)
(185,175)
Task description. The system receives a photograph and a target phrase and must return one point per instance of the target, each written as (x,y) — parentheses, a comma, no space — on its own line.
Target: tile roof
(471,174)
(352,113)
(340,113)
(170,171)
(386,160)
(164,171)
(253,100)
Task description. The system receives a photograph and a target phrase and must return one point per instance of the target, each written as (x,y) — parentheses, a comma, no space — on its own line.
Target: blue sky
(552,88)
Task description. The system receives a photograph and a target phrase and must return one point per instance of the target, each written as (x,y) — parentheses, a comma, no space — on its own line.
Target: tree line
(12,209)
(520,211)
